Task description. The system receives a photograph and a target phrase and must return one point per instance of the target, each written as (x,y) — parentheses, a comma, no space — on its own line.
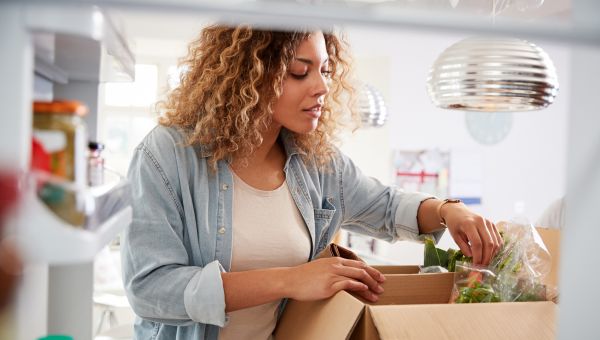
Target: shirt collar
(289,143)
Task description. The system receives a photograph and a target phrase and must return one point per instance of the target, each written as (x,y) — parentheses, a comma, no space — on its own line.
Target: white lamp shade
(371,106)
(493,74)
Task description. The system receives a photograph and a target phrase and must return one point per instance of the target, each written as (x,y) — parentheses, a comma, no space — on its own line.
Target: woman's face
(304,87)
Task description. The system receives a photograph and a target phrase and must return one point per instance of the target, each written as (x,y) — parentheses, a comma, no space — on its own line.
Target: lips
(315,107)
(314,111)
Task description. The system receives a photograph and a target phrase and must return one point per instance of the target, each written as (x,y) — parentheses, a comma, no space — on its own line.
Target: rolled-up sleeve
(405,220)
(160,283)
(204,296)
(378,210)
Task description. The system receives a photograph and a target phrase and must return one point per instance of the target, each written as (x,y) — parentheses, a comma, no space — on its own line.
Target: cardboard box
(414,306)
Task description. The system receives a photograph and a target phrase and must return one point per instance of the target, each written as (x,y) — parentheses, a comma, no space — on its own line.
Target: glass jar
(95,164)
(60,129)
(58,126)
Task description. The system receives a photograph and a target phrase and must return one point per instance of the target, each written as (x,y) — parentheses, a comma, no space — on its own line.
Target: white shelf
(88,46)
(52,49)
(45,238)
(423,15)
(50,71)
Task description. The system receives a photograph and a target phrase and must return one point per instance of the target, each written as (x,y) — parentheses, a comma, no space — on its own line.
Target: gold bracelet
(439,208)
(428,198)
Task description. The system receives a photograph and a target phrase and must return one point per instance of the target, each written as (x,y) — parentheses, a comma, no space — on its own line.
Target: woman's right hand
(322,278)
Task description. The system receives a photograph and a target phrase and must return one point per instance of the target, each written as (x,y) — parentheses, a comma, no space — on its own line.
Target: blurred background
(118,58)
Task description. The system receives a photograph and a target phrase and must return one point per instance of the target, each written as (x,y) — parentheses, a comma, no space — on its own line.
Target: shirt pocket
(323,217)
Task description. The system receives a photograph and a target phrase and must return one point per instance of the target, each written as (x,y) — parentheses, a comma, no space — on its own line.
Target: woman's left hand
(476,236)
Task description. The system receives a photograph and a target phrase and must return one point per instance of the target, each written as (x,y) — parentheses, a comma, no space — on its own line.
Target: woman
(240,187)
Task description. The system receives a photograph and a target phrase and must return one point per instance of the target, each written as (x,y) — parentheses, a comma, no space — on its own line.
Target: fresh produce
(476,291)
(514,273)
(439,257)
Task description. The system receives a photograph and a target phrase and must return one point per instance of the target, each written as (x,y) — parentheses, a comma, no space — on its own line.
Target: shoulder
(163,137)
(338,166)
(339,160)
(336,162)
(165,141)
(167,148)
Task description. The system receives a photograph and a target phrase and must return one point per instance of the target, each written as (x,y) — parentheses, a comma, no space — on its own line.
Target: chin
(304,128)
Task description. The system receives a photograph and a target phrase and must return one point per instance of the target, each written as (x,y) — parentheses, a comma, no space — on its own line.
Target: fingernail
(374,297)
(379,289)
(381,277)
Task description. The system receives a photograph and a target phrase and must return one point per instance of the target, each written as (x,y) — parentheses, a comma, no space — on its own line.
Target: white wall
(521,175)
(527,167)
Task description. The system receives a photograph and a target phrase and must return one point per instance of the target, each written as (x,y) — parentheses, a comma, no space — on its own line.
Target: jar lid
(95,146)
(61,107)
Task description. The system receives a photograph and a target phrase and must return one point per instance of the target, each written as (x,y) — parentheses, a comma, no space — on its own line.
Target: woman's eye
(299,76)
(326,73)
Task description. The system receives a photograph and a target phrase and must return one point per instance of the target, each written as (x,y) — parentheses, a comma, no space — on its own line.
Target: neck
(268,151)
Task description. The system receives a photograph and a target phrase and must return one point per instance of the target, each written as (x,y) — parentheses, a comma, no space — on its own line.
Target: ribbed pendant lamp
(493,74)
(371,106)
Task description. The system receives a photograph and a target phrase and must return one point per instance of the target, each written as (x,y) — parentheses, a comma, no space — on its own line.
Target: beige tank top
(268,231)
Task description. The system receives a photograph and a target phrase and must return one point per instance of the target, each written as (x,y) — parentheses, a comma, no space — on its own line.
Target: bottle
(59,129)
(95,163)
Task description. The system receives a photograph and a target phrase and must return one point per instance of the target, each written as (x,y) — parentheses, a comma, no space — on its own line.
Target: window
(141,92)
(127,110)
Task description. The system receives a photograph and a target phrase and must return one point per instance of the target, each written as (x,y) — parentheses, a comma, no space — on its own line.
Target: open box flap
(519,320)
(334,250)
(397,269)
(404,289)
(403,285)
(333,318)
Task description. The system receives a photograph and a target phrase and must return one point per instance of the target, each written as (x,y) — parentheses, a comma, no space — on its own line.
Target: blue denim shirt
(180,238)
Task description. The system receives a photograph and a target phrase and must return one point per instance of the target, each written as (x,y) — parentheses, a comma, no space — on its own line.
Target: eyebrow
(310,62)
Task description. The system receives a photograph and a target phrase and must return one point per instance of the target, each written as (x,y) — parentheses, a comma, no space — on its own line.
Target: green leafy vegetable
(435,256)
(438,257)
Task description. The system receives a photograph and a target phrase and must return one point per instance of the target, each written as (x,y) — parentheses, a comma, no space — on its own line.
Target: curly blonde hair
(233,77)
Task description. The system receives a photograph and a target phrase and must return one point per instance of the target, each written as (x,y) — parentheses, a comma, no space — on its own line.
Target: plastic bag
(432,269)
(516,273)
(473,284)
(522,264)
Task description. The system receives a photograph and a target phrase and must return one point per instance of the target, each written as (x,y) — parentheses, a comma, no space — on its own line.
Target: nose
(320,86)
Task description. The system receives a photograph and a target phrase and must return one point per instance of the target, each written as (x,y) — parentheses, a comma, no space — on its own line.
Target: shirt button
(225,186)
(222,230)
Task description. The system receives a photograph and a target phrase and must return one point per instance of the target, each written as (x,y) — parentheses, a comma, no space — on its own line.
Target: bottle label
(55,144)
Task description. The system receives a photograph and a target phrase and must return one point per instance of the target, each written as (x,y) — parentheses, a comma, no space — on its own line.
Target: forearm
(254,287)
(428,216)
